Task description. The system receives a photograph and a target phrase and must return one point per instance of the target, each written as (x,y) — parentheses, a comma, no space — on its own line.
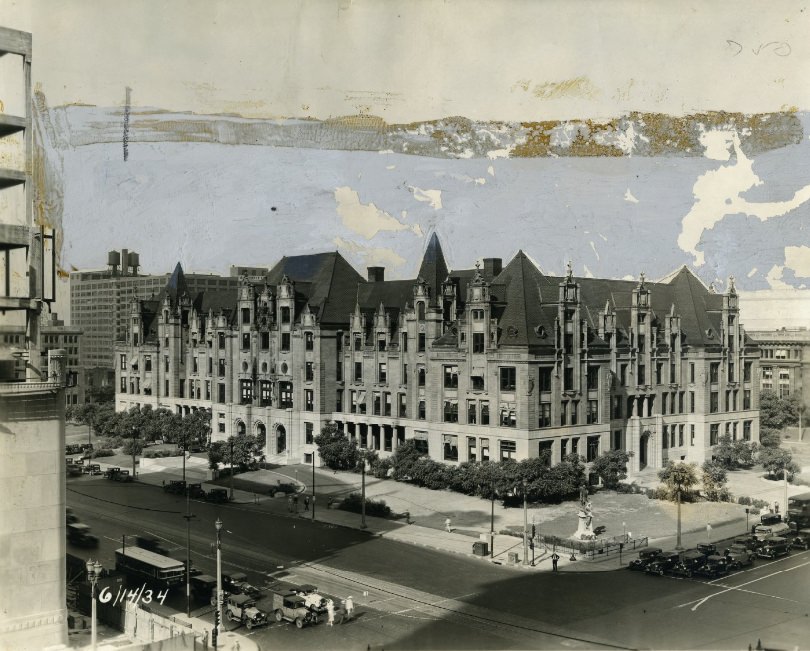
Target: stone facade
(486,363)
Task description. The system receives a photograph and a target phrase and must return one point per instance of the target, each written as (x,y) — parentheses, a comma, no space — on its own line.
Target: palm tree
(679,479)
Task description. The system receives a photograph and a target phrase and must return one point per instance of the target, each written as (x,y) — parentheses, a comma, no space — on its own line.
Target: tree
(102,394)
(777,413)
(714,481)
(679,478)
(777,461)
(405,460)
(734,454)
(769,437)
(611,467)
(335,449)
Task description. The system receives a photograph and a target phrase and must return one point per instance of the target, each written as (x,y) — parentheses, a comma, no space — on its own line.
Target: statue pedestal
(584,528)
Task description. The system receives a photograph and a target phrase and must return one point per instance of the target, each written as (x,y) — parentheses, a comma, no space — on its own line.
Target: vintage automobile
(195,491)
(79,534)
(176,486)
(290,606)
(241,608)
(237,583)
(70,516)
(689,563)
(714,566)
(217,495)
(774,547)
(74,470)
(801,540)
(203,588)
(739,555)
(663,563)
(749,542)
(312,598)
(707,549)
(645,557)
(122,475)
(92,469)
(765,531)
(770,518)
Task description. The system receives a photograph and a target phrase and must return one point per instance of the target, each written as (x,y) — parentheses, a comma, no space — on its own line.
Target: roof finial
(569,272)
(731,288)
(641,278)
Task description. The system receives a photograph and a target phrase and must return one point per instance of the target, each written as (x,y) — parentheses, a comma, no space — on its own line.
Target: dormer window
(285,314)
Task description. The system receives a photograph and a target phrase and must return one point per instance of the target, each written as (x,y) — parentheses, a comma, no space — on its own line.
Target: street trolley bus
(150,566)
(799,510)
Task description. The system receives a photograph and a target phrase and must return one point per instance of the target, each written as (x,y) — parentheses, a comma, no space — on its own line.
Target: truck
(289,606)
(241,608)
(150,566)
(204,589)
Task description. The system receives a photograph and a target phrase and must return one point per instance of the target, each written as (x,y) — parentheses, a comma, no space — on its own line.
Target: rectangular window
(472,449)
(568,379)
(593,448)
(691,402)
(681,397)
(358,371)
(309,372)
(484,449)
(358,341)
(450,447)
(285,395)
(508,450)
(309,400)
(564,413)
(664,399)
(672,369)
(386,404)
(617,406)
(574,413)
(353,398)
(617,439)
(478,342)
(388,439)
(265,394)
(508,416)
(245,341)
(659,373)
(642,371)
(421,414)
(623,375)
(451,411)
(672,432)
(221,393)
(221,340)
(730,372)
(485,412)
(747,372)
(339,400)
(166,388)
(404,378)
(265,340)
(665,437)
(714,372)
(194,366)
(285,342)
(123,384)
(123,361)
(728,401)
(680,435)
(544,416)
(309,436)
(692,373)
(714,433)
(593,411)
(451,377)
(747,399)
(246,391)
(382,372)
(285,314)
(147,363)
(714,402)
(420,376)
(420,347)
(221,368)
(208,389)
(381,344)
(309,341)
(477,382)
(692,435)
(404,343)
(166,363)
(210,365)
(508,378)
(471,412)
(376,403)
(545,379)
(593,378)
(403,405)
(746,430)
(245,316)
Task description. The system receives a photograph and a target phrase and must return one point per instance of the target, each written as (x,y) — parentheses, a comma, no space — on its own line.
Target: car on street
(739,555)
(801,540)
(645,557)
(176,486)
(765,531)
(241,608)
(707,549)
(312,598)
(78,534)
(289,606)
(122,476)
(774,547)
(70,516)
(714,566)
(663,563)
(749,542)
(690,561)
(203,589)
(110,472)
(196,491)
(92,469)
(237,583)
(74,470)
(217,495)
(284,488)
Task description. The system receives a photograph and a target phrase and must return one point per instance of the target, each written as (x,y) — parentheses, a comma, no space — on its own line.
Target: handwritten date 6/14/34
(144,595)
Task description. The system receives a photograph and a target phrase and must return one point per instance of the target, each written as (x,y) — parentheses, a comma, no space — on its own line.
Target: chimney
(492,267)
(376,274)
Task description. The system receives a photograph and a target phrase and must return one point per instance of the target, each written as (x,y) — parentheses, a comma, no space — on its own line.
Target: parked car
(707,549)
(690,561)
(645,557)
(749,542)
(312,598)
(217,495)
(714,566)
(74,470)
(91,469)
(237,583)
(773,547)
(770,518)
(122,475)
(241,608)
(177,486)
(663,563)
(111,472)
(195,491)
(79,534)
(801,540)
(765,531)
(739,555)
(204,589)
(70,516)
(291,607)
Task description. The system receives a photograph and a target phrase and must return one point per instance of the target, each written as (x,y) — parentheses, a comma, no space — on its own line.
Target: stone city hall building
(485,363)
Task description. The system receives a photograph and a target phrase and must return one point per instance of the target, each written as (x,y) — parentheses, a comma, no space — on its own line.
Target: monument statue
(585,526)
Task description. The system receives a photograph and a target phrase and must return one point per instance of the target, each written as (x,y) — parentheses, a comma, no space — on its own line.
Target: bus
(148,565)
(799,510)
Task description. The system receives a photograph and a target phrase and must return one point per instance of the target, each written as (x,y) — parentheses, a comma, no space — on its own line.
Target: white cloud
(628,196)
(774,278)
(719,193)
(370,256)
(433,197)
(366,219)
(798,259)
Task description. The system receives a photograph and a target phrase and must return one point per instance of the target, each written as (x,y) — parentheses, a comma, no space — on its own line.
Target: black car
(707,549)
(690,561)
(217,495)
(645,557)
(177,486)
(801,540)
(195,491)
(663,563)
(714,566)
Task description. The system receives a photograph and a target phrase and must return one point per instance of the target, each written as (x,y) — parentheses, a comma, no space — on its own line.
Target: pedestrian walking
(306,503)
(554,559)
(295,503)
(349,607)
(447,526)
(776,508)
(290,504)
(330,612)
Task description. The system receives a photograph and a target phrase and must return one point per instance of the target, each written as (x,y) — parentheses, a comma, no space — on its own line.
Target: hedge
(375,508)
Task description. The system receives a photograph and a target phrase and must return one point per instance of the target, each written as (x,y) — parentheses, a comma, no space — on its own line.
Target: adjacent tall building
(32,403)
(494,362)
(785,362)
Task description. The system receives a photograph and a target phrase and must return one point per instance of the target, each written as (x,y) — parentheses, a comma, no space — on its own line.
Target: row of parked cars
(196,491)
(770,539)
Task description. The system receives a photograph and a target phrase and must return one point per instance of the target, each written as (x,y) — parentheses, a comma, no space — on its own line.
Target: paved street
(420,598)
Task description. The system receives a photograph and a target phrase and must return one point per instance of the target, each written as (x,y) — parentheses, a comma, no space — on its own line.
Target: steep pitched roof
(433,268)
(698,308)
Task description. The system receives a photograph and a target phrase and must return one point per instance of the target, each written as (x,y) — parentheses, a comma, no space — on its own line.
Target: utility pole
(134,431)
(188,517)
(525,527)
(492,521)
(313,486)
(363,492)
(218,612)
(231,442)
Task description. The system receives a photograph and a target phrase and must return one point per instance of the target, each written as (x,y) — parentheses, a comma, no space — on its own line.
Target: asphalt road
(422,599)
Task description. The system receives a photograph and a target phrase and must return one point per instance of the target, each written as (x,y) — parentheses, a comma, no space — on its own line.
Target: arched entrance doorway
(261,436)
(240,428)
(643,450)
(281,439)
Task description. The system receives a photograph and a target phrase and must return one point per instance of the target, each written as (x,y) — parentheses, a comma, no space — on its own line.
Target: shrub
(611,467)
(103,452)
(761,504)
(381,467)
(745,501)
(111,442)
(375,508)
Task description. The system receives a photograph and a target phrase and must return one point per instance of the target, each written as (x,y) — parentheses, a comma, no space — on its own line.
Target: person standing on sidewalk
(306,502)
(330,612)
(447,526)
(554,559)
(349,607)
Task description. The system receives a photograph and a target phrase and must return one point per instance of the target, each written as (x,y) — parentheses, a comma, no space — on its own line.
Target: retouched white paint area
(774,277)
(775,308)
(718,193)
(433,197)
(595,252)
(372,256)
(628,196)
(365,219)
(798,259)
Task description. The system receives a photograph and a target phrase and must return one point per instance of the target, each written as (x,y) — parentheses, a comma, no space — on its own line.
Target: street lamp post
(624,531)
(363,491)
(188,516)
(218,612)
(313,485)
(230,439)
(134,432)
(525,526)
(747,528)
(94,569)
(678,546)
(492,521)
